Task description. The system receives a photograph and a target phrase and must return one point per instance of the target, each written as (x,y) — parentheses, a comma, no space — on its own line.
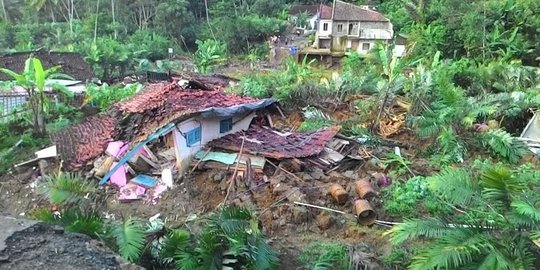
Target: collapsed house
(178,121)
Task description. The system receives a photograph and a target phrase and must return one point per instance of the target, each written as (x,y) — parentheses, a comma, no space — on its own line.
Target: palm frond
(427,126)
(67,188)
(526,209)
(187,261)
(415,228)
(265,257)
(455,249)
(89,223)
(502,143)
(130,239)
(454,185)
(177,242)
(232,219)
(498,184)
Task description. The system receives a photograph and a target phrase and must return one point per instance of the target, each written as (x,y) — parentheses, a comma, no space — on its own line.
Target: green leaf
(130,239)
(67,188)
(39,75)
(18,77)
(415,228)
(454,185)
(526,209)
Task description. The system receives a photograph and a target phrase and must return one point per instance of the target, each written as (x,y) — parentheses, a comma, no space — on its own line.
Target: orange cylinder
(364,189)
(364,212)
(338,193)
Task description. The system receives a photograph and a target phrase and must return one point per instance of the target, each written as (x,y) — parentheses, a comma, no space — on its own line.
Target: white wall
(360,48)
(209,132)
(313,22)
(320,30)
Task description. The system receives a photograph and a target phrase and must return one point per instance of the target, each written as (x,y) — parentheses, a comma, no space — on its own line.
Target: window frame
(193,136)
(368,46)
(340,25)
(225,129)
(325,26)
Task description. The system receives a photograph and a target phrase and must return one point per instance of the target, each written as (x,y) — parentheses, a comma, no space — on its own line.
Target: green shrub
(408,199)
(103,96)
(321,256)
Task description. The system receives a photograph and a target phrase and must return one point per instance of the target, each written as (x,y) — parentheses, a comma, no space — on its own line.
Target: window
(365,46)
(193,136)
(353,29)
(225,125)
(340,28)
(325,27)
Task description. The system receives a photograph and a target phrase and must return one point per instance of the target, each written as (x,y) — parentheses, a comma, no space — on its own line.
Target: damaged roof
(136,118)
(161,104)
(84,141)
(277,145)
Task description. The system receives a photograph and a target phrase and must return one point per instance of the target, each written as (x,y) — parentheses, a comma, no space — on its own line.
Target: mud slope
(29,245)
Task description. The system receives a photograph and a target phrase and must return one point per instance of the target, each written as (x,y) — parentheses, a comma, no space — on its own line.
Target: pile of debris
(146,144)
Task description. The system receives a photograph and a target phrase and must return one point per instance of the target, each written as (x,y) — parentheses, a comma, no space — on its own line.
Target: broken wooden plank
(151,155)
(331,156)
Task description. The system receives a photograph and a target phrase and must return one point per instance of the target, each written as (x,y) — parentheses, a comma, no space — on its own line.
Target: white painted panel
(209,132)
(321,31)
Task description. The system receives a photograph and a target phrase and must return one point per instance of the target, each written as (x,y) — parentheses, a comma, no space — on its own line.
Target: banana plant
(209,54)
(388,65)
(35,80)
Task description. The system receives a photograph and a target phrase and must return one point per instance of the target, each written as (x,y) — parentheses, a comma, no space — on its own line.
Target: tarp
(237,109)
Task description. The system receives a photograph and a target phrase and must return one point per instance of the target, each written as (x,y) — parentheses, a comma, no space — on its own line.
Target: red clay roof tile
(140,116)
(266,142)
(84,141)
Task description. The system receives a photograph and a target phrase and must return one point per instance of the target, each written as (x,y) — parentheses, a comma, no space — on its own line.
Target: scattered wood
(200,160)
(26,163)
(151,155)
(285,171)
(232,180)
(105,166)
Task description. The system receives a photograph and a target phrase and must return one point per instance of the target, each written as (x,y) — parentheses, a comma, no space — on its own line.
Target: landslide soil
(44,247)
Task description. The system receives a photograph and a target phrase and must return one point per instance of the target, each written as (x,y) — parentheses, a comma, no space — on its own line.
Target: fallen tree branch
(285,171)
(233,178)
(200,160)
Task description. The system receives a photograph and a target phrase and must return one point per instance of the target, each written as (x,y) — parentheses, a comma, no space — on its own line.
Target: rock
(4,258)
(317,174)
(350,174)
(297,196)
(324,221)
(281,189)
(218,177)
(58,229)
(299,215)
(306,177)
(277,179)
(223,185)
